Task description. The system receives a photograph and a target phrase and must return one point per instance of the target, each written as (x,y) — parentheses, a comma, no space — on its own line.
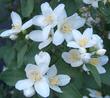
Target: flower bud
(27,37)
(29,92)
(101,52)
(82,50)
(13,37)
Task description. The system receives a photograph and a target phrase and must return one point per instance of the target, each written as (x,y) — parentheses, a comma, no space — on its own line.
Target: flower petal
(101,69)
(44,43)
(58,38)
(56,88)
(88,33)
(63,80)
(24,84)
(52,71)
(66,58)
(76,35)
(75,21)
(42,87)
(72,44)
(77,63)
(6,33)
(60,12)
(27,24)
(16,19)
(36,35)
(68,37)
(87,1)
(103,60)
(46,9)
(95,4)
(39,20)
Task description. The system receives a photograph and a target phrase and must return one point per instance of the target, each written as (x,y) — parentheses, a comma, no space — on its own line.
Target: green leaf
(27,7)
(95,74)
(20,55)
(10,77)
(70,91)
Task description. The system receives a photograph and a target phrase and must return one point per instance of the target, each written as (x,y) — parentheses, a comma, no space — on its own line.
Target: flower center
(94,61)
(98,94)
(66,28)
(49,19)
(83,42)
(54,80)
(16,26)
(34,75)
(74,56)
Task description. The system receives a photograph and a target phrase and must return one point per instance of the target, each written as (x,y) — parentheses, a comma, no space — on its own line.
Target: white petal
(76,35)
(76,21)
(85,68)
(77,63)
(103,60)
(95,4)
(73,44)
(56,88)
(30,67)
(66,58)
(46,9)
(42,87)
(60,12)
(63,80)
(68,37)
(36,35)
(16,19)
(52,71)
(58,38)
(42,58)
(24,84)
(39,20)
(87,1)
(44,43)
(27,24)
(46,31)
(88,33)
(6,33)
(101,69)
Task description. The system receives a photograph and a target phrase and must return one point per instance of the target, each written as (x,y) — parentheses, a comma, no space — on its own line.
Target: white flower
(98,63)
(57,80)
(49,17)
(94,93)
(73,57)
(107,96)
(36,76)
(94,3)
(84,40)
(86,57)
(16,27)
(85,97)
(44,36)
(65,27)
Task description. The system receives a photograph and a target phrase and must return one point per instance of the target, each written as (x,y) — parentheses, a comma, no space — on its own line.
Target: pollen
(49,19)
(94,61)
(74,56)
(16,26)
(54,80)
(83,42)
(66,28)
(34,75)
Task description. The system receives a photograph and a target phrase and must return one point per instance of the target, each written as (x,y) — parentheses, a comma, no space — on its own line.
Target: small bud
(13,37)
(82,50)
(29,92)
(101,52)
(27,37)
(109,35)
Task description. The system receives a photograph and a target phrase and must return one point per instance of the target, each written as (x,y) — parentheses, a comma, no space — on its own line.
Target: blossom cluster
(56,28)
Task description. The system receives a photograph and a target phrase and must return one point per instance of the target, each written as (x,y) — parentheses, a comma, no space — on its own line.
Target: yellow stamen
(66,28)
(49,19)
(54,80)
(94,61)
(83,42)
(74,56)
